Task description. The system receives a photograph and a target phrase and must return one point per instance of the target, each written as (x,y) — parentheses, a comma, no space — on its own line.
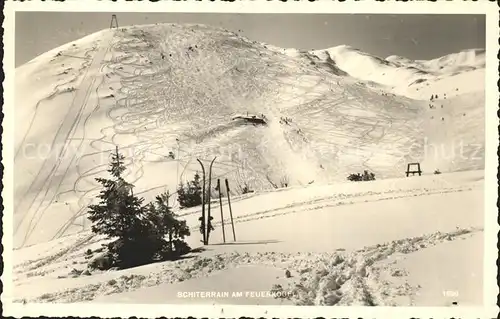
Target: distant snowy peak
(399,60)
(466,59)
(346,57)
(360,64)
(369,68)
(320,60)
(352,60)
(396,73)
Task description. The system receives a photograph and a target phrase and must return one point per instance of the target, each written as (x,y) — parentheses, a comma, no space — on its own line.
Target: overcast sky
(411,36)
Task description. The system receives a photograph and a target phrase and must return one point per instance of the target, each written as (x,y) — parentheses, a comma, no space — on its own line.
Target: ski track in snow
(183,103)
(359,279)
(334,278)
(64,136)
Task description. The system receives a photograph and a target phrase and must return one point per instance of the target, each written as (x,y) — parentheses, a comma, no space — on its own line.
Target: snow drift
(344,249)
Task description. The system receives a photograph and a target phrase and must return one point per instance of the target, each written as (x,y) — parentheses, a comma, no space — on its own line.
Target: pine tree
(195,190)
(167,224)
(189,195)
(181,194)
(120,215)
(139,231)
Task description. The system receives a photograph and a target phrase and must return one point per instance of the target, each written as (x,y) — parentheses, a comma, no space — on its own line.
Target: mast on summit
(114,22)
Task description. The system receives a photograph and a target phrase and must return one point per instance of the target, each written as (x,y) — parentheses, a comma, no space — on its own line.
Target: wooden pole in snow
(209,217)
(221,213)
(202,218)
(230,210)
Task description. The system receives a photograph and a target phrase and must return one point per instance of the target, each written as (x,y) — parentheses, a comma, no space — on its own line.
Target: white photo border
(491,230)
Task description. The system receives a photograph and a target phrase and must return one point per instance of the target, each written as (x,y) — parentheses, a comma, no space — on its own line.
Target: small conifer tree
(189,195)
(118,213)
(138,231)
(168,225)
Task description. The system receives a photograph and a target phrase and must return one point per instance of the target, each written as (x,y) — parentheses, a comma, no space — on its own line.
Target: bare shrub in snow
(283,182)
(244,188)
(357,177)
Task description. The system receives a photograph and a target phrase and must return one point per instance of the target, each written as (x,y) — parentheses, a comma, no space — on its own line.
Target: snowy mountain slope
(439,219)
(162,90)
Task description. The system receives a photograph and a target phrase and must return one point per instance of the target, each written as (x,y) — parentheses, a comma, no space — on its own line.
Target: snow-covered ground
(374,240)
(157,90)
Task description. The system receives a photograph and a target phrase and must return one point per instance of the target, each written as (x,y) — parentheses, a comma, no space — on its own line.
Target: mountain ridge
(467,59)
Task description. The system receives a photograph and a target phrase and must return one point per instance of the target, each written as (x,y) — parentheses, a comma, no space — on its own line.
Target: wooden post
(230,210)
(221,213)
(202,218)
(413,172)
(209,191)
